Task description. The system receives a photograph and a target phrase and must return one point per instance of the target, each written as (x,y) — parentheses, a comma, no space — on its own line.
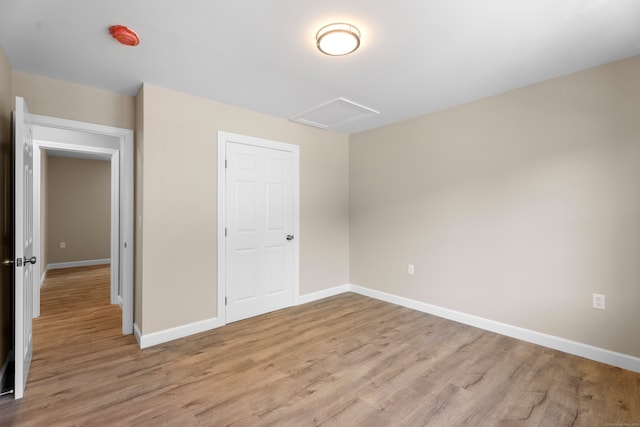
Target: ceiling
(416,56)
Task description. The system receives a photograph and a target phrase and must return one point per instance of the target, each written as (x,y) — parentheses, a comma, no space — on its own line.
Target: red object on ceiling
(124,35)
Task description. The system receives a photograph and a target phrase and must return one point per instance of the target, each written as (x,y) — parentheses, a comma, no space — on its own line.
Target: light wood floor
(343,361)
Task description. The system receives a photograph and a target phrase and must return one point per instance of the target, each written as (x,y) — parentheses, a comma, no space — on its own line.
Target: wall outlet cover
(599,301)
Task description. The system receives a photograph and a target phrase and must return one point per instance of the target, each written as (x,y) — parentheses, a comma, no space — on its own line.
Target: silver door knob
(289,236)
(31,260)
(7,262)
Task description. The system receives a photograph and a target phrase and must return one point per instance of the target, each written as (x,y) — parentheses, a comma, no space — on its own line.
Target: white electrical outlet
(411,269)
(599,301)
(63,245)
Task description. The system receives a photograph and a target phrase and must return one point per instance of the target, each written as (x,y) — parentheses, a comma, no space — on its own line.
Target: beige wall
(72,101)
(179,202)
(5,216)
(514,208)
(78,209)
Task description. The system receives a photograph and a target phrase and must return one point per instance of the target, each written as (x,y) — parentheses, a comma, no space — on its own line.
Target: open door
(23,290)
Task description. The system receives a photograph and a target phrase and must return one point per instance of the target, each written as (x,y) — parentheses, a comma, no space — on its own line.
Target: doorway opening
(69,138)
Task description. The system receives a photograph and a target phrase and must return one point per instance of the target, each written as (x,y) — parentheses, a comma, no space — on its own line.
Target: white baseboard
(3,371)
(87,263)
(160,337)
(572,347)
(155,338)
(587,351)
(325,293)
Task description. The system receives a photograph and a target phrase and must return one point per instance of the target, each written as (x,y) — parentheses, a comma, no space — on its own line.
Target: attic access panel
(334,113)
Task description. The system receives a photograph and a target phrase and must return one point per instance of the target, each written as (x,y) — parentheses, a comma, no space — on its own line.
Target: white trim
(72,264)
(3,370)
(36,229)
(223,138)
(127,243)
(114,243)
(42,279)
(572,347)
(113,154)
(186,330)
(222,221)
(567,346)
(121,154)
(160,337)
(325,293)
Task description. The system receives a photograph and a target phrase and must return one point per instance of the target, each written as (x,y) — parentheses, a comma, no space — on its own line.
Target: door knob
(7,262)
(31,260)
(289,236)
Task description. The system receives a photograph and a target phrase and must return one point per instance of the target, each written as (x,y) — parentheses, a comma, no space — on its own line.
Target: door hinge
(225,232)
(225,300)
(225,163)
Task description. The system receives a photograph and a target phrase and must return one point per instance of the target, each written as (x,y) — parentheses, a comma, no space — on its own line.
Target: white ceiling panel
(335,113)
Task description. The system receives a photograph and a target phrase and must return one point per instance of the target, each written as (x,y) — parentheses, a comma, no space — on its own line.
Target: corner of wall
(138,215)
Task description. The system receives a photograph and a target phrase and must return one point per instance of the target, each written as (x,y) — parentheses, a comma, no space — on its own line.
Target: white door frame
(121,157)
(223,138)
(113,156)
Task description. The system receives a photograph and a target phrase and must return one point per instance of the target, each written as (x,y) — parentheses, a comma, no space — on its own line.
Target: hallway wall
(78,207)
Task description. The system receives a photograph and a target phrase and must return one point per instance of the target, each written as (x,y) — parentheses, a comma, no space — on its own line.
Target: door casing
(223,138)
(115,144)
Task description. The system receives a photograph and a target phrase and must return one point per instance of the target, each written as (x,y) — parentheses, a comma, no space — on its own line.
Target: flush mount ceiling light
(124,35)
(338,39)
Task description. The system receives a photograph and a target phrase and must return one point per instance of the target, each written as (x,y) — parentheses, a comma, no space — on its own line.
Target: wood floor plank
(347,360)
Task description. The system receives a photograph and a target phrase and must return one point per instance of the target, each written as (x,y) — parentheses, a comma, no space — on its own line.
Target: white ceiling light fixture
(338,39)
